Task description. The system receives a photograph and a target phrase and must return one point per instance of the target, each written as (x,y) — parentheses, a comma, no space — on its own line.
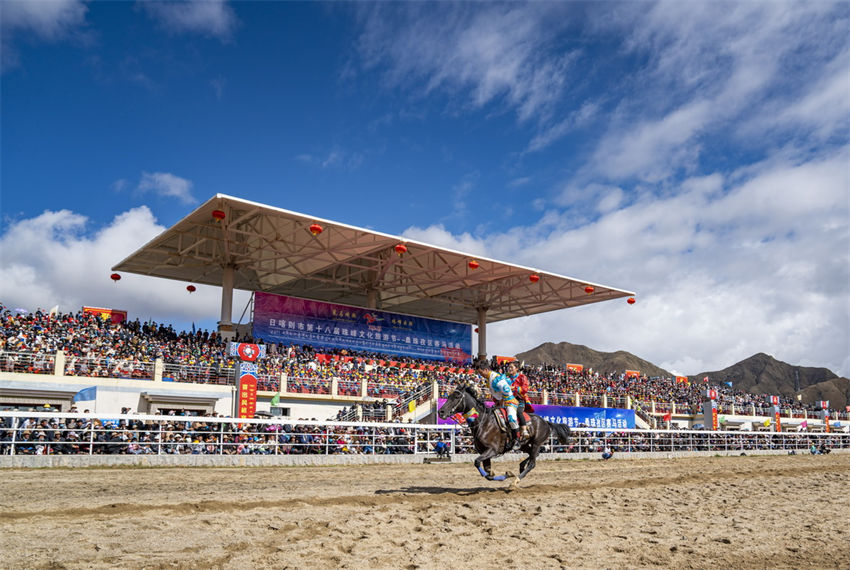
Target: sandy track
(744,512)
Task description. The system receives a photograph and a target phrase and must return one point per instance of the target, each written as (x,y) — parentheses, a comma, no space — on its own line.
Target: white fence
(45,433)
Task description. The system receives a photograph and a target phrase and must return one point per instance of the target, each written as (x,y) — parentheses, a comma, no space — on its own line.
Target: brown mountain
(603,362)
(758,374)
(837,391)
(763,374)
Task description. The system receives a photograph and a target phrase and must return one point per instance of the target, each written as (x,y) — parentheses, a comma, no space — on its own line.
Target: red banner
(247,396)
(682,380)
(776,419)
(575,367)
(632,373)
(714,421)
(114,315)
(503,359)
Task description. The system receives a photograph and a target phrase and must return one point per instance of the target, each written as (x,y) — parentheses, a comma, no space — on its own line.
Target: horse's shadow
(416,490)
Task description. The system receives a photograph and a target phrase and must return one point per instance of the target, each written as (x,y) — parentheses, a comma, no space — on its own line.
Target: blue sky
(696,153)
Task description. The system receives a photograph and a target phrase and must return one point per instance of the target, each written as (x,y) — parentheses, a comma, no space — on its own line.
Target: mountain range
(758,374)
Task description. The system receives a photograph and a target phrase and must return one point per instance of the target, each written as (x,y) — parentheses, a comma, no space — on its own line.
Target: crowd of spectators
(199,435)
(212,435)
(94,346)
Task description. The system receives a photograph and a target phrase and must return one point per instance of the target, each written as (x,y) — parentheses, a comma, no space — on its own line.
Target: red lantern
(218,215)
(476,329)
(473,264)
(115,277)
(190,288)
(630,300)
(316,229)
(401,249)
(589,289)
(534,278)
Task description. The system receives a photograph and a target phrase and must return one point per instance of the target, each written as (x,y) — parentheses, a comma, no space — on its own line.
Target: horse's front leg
(482,463)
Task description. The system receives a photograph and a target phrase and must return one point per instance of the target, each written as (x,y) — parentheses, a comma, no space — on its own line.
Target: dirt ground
(738,512)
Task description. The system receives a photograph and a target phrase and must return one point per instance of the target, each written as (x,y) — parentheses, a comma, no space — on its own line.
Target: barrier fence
(34,433)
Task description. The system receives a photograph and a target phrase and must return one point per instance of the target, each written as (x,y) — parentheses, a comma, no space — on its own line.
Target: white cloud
(724,267)
(492,54)
(213,18)
(56,258)
(168,185)
(46,20)
(733,70)
(335,158)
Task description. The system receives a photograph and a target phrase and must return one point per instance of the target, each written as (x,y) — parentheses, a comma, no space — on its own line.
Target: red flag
(667,417)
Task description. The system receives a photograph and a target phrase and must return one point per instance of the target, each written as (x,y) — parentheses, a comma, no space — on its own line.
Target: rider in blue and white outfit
(503,395)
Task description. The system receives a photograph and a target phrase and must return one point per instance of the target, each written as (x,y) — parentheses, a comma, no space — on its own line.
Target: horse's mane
(475,392)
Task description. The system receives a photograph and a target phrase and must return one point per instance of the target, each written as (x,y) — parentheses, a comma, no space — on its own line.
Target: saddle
(501,415)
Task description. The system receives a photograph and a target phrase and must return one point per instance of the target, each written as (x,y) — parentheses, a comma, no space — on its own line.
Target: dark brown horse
(491,441)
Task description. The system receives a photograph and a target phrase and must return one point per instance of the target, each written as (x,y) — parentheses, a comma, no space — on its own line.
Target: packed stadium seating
(94,346)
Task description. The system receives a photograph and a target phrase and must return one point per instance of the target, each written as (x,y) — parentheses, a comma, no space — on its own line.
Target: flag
(803,425)
(668,416)
(411,406)
(766,423)
(728,384)
(89,393)
(54,311)
(276,399)
(705,379)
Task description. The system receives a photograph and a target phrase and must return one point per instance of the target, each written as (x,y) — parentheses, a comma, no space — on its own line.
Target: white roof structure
(264,248)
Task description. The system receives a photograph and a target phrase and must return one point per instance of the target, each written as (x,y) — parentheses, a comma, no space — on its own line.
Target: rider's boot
(514,439)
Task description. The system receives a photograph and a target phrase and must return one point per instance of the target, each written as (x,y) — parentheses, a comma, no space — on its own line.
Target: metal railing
(419,395)
(195,374)
(27,362)
(33,433)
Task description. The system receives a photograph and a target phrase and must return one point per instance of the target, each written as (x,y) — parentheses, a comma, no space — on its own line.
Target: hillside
(758,374)
(763,374)
(603,362)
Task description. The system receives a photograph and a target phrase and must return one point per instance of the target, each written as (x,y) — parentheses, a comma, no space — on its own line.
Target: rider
(519,382)
(500,389)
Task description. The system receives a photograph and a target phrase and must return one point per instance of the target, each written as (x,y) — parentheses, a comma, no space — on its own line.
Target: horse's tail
(560,431)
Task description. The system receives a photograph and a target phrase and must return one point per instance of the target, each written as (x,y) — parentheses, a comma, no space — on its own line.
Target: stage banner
(290,320)
(571,416)
(575,368)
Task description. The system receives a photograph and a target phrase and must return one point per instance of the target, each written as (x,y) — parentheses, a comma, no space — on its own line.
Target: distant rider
(503,395)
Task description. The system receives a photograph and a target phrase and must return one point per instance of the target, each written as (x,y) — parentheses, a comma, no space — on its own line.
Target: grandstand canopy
(263,248)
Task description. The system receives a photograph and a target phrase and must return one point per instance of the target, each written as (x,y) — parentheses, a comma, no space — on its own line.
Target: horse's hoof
(509,474)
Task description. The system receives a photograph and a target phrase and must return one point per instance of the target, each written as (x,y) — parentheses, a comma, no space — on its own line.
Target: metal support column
(482,332)
(225,325)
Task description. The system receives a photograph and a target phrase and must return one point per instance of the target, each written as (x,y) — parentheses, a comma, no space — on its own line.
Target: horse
(491,441)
